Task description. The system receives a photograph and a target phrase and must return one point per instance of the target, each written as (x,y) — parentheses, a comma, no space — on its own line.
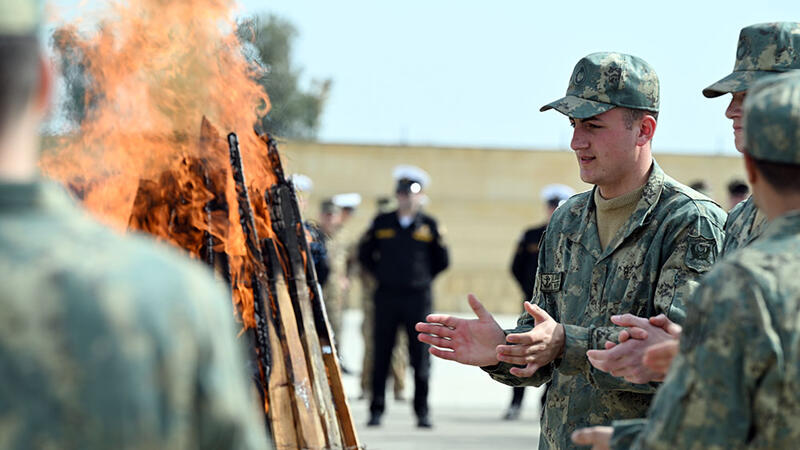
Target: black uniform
(523,267)
(404,261)
(526,260)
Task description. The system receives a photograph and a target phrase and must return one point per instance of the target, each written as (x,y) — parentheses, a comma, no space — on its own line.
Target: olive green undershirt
(613,213)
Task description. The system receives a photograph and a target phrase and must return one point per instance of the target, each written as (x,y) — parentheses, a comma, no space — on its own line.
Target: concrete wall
(483,197)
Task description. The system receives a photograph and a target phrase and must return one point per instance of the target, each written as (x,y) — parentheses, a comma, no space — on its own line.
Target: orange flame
(141,158)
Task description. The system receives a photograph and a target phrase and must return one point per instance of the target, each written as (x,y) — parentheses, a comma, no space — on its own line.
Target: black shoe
(512,413)
(374,420)
(424,422)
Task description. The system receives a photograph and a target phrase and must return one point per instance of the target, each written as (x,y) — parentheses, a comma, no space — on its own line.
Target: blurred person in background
(702,187)
(399,361)
(303,186)
(324,230)
(404,251)
(342,249)
(738,191)
(524,264)
(106,341)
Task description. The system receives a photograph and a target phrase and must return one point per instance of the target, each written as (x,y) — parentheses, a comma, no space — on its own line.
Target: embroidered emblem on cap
(580,75)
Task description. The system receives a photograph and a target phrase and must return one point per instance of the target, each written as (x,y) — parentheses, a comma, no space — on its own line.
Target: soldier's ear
(647,129)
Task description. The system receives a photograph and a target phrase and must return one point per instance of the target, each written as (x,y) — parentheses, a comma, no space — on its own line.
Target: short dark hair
(783,177)
(738,187)
(632,115)
(19,73)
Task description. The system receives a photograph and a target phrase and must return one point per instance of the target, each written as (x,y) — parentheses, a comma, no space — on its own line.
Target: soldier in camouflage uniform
(735,382)
(763,50)
(105,341)
(638,243)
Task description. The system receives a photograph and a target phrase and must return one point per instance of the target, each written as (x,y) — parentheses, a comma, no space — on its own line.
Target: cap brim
(737,81)
(578,108)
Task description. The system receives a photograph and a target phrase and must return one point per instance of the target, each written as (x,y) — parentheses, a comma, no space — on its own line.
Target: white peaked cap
(348,200)
(302,182)
(557,191)
(412,173)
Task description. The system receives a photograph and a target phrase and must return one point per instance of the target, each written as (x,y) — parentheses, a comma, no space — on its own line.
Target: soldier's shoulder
(158,271)
(742,209)
(384,218)
(572,207)
(682,200)
(428,219)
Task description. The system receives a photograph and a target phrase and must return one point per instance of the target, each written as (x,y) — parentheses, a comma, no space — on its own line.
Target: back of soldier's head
(20,21)
(772,130)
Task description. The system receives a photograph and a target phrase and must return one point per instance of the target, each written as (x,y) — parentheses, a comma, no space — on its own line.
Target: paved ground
(466,406)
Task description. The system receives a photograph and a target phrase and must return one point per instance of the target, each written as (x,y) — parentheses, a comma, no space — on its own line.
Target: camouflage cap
(772,119)
(602,81)
(18,17)
(763,49)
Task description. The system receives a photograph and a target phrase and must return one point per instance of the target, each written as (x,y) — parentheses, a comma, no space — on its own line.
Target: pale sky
(474,73)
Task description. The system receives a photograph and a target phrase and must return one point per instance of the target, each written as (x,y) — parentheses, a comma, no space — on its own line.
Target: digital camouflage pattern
(772,119)
(736,381)
(602,81)
(651,266)
(763,50)
(109,341)
(743,226)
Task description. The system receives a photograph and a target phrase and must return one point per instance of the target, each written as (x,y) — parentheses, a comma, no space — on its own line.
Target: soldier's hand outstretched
(535,348)
(468,341)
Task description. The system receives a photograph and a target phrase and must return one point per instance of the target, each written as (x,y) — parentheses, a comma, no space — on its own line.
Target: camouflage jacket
(743,226)
(109,341)
(651,266)
(736,381)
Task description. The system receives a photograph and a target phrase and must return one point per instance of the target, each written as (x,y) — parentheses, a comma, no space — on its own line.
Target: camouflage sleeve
(707,399)
(625,432)
(227,414)
(500,372)
(692,252)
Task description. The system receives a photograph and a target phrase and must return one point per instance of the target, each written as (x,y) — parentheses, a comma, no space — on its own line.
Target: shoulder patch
(423,233)
(701,254)
(550,282)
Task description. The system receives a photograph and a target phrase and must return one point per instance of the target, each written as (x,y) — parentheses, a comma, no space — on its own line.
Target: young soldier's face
(734,112)
(605,147)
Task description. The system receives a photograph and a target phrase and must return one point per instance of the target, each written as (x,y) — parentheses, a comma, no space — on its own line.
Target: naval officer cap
(301,183)
(410,179)
(349,200)
(556,194)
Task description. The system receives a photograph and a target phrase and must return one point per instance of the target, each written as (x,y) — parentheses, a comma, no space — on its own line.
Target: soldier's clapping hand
(535,348)
(626,359)
(468,341)
(598,437)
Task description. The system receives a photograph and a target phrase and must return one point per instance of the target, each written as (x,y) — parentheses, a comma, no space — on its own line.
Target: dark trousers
(400,308)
